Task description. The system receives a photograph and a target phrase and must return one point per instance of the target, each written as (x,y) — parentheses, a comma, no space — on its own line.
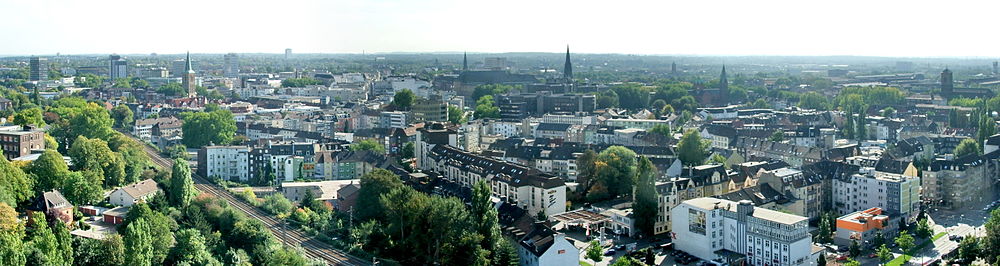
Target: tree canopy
(403,99)
(204,128)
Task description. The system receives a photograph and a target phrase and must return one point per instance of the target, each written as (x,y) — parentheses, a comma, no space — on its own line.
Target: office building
(117,67)
(731,232)
(39,68)
(232,65)
(863,227)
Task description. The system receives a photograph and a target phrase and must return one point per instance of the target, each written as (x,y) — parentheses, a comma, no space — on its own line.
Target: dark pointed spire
(723,81)
(187,65)
(465,61)
(568,67)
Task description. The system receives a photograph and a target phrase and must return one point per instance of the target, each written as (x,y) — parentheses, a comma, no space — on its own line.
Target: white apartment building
(724,231)
(395,119)
(225,162)
(897,194)
(645,124)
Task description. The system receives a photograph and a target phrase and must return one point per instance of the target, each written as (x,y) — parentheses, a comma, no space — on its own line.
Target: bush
(277,204)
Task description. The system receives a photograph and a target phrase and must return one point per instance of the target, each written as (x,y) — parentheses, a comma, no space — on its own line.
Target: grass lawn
(906,257)
(584,263)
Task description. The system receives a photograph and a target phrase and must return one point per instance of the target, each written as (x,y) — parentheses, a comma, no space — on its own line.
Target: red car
(842,258)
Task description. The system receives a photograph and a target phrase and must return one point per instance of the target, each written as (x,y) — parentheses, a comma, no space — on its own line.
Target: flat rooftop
(762,213)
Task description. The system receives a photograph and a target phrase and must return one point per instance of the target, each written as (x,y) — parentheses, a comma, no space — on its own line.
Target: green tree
(373,185)
(506,254)
(905,241)
(777,136)
(854,250)
(486,108)
(79,118)
(595,252)
(760,104)
(368,145)
(923,229)
(888,111)
(138,243)
(83,188)
(113,250)
(29,116)
(456,115)
(123,116)
(644,204)
(299,82)
(585,175)
(49,171)
(990,243)
(490,90)
(178,151)
(484,216)
(95,155)
(15,186)
(661,129)
(821,261)
(968,249)
(205,128)
(159,226)
(191,249)
(122,83)
(615,170)
(407,152)
(884,254)
(181,185)
(879,239)
(133,156)
(825,232)
(812,100)
(44,246)
(966,147)
(691,149)
(627,261)
(277,204)
(852,262)
(403,99)
(12,248)
(172,89)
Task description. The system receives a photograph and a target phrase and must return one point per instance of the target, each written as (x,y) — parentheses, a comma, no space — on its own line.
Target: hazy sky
(704,27)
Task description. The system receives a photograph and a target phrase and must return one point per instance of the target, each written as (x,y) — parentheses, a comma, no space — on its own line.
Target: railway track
(312,247)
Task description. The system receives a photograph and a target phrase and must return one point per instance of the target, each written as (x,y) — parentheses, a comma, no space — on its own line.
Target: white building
(143,128)
(645,124)
(225,162)
(543,246)
(897,194)
(130,194)
(723,230)
(394,119)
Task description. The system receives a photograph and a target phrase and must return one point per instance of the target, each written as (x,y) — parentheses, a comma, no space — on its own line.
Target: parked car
(667,246)
(610,252)
(842,258)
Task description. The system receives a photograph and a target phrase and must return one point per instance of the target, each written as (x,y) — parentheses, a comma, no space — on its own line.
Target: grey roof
(539,239)
(140,189)
(50,200)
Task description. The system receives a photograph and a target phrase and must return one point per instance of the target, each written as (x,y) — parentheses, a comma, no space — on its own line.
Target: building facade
(726,231)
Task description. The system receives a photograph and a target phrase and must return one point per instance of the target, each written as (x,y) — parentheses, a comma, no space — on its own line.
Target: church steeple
(723,81)
(187,80)
(187,65)
(568,67)
(465,61)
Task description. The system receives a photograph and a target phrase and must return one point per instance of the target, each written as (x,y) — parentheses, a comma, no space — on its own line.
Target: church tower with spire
(187,80)
(724,86)
(568,68)
(465,61)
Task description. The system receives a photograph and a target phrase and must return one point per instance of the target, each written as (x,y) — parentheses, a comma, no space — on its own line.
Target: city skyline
(886,28)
